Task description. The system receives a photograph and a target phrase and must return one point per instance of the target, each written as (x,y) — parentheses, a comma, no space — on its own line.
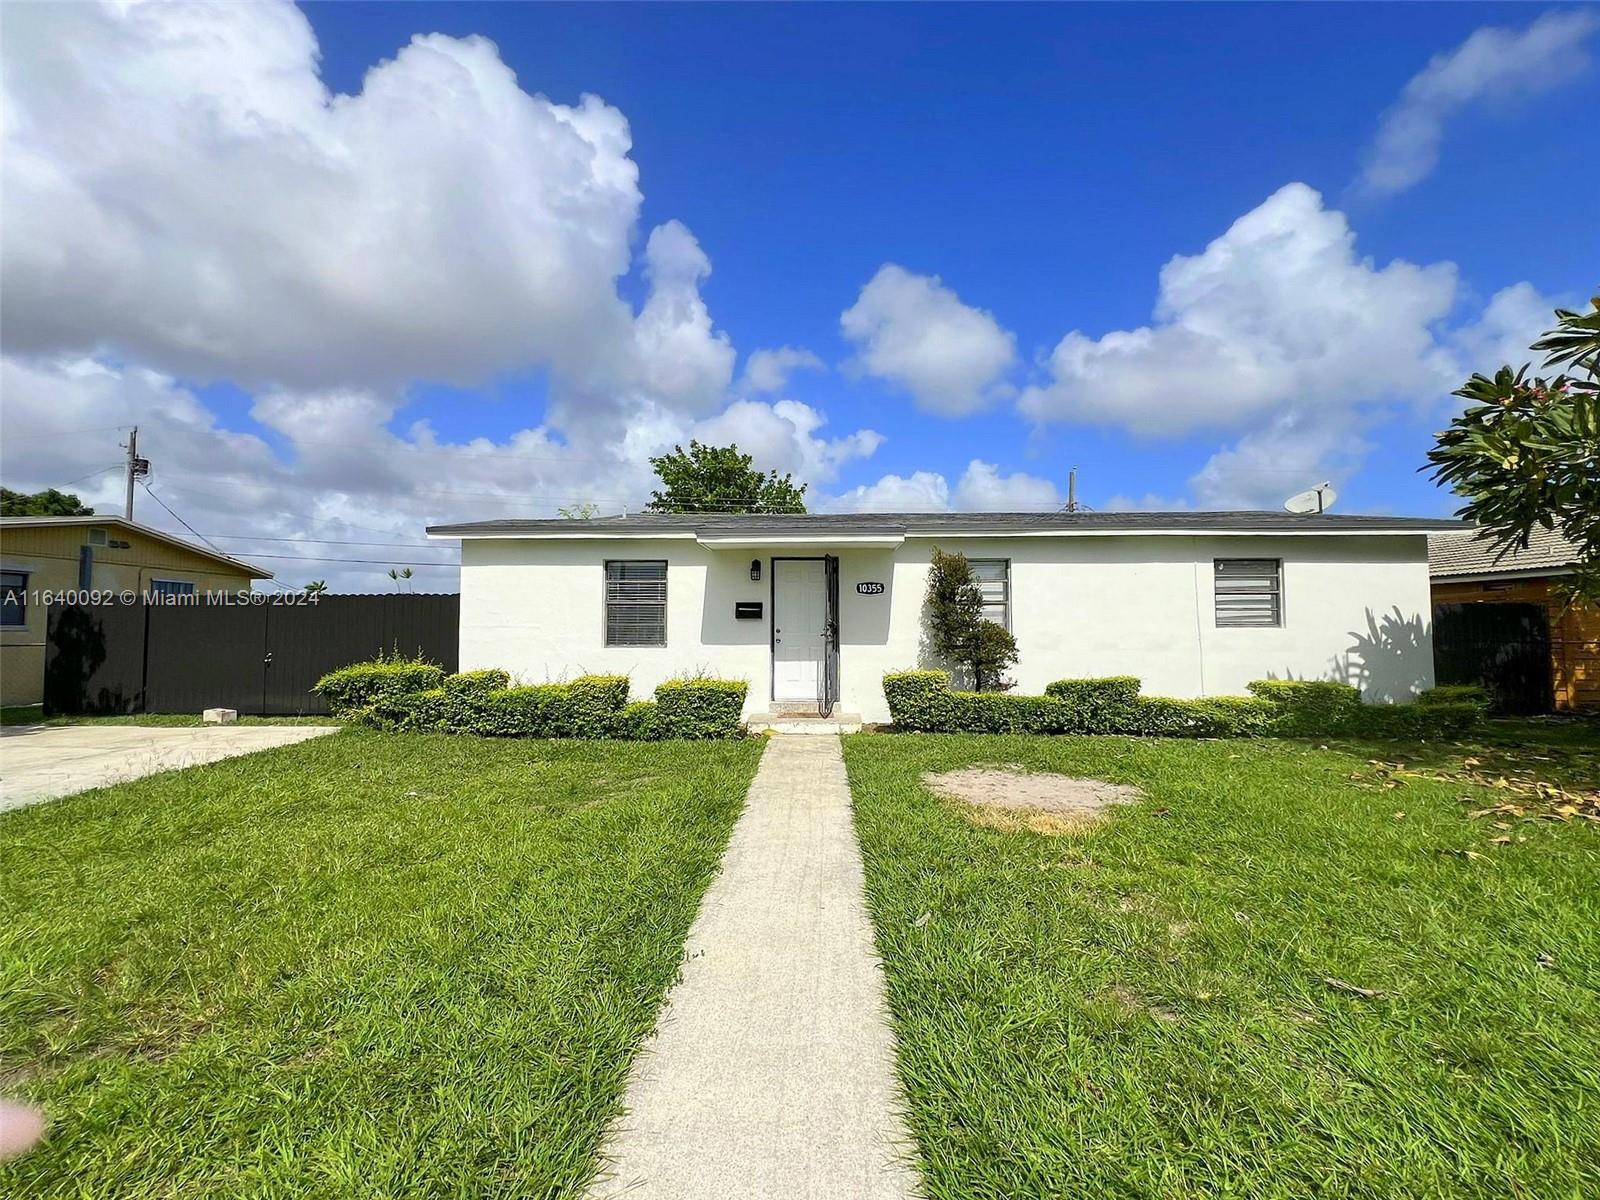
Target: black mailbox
(747,610)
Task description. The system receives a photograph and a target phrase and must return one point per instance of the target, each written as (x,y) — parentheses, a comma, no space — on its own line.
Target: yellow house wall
(50,557)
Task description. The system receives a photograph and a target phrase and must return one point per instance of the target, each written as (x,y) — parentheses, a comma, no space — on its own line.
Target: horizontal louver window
(994,581)
(1249,591)
(636,604)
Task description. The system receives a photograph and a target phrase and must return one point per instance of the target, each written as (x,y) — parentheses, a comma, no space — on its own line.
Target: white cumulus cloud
(915,332)
(1278,311)
(769,370)
(981,488)
(1493,64)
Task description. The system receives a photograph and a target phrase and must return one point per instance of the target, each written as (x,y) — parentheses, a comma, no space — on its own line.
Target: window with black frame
(1248,592)
(636,603)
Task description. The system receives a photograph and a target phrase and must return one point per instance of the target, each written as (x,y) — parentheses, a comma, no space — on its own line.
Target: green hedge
(482,702)
(365,683)
(698,708)
(924,701)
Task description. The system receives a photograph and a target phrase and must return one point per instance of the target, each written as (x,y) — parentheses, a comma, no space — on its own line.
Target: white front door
(799,620)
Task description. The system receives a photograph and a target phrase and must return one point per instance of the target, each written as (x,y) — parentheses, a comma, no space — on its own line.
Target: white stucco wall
(1356,608)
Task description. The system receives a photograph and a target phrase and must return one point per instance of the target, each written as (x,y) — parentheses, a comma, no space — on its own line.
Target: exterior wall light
(755,570)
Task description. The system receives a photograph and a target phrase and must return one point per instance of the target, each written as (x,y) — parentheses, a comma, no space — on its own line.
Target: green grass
(362,966)
(33,714)
(1141,1009)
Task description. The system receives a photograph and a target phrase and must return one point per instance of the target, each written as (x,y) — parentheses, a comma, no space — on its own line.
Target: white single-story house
(813,609)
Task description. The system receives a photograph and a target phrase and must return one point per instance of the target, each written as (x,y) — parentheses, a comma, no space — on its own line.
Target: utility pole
(138,468)
(1072,491)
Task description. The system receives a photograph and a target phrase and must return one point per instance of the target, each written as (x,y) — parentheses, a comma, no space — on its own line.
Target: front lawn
(1167,1004)
(364,965)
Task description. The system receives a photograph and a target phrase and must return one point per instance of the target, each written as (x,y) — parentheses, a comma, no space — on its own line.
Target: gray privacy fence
(259,658)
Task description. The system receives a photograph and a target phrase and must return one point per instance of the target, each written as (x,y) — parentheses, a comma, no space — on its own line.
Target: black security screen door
(830,659)
(1505,648)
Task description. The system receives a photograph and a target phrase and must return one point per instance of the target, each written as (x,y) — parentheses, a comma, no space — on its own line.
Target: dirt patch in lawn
(1011,798)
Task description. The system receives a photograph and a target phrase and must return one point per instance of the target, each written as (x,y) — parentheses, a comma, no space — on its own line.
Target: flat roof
(149,531)
(731,527)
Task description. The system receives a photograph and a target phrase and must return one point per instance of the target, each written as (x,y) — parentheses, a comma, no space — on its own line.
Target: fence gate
(1505,648)
(257,658)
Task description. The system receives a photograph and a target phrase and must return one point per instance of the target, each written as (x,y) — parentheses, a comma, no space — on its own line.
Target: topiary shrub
(1207,716)
(1308,707)
(699,708)
(477,683)
(362,685)
(636,722)
(1098,705)
(918,700)
(595,701)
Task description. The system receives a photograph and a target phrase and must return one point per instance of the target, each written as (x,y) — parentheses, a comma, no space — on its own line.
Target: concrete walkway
(42,762)
(772,1070)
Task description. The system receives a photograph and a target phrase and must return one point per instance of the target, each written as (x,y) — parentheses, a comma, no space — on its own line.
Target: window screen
(994,578)
(172,587)
(13,597)
(636,604)
(1249,591)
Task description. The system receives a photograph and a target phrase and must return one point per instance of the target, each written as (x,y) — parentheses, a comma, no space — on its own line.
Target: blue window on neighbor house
(172,587)
(13,597)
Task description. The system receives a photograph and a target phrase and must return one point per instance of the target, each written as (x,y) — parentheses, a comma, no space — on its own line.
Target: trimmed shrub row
(423,698)
(924,701)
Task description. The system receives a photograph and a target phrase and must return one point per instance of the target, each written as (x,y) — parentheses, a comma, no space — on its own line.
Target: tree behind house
(957,628)
(48,503)
(718,479)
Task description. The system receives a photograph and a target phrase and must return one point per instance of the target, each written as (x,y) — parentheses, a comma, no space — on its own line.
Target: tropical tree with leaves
(718,479)
(1526,451)
(48,503)
(400,575)
(316,587)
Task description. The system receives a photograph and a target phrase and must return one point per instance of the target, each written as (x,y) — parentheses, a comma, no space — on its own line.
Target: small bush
(1308,707)
(1207,716)
(364,684)
(636,722)
(477,683)
(595,701)
(918,700)
(699,708)
(1099,704)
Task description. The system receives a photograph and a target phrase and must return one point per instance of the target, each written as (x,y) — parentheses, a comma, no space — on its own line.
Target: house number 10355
(870,589)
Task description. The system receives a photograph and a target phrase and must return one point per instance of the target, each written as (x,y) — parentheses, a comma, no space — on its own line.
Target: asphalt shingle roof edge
(827,524)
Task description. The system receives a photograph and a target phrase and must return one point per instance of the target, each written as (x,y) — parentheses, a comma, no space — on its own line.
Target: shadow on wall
(1391,661)
(77,652)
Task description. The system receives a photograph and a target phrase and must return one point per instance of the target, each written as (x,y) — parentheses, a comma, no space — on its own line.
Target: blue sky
(1028,171)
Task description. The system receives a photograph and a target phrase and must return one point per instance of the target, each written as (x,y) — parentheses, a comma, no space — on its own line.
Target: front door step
(810,722)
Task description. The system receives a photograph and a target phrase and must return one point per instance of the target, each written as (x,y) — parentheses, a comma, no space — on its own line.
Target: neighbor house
(1505,621)
(50,555)
(813,609)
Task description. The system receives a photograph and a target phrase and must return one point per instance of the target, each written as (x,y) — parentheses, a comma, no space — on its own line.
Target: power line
(174,515)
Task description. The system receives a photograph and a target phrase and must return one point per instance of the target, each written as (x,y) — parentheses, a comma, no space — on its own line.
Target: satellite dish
(1315,500)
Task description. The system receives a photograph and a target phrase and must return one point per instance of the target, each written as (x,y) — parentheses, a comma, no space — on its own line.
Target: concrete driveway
(42,762)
